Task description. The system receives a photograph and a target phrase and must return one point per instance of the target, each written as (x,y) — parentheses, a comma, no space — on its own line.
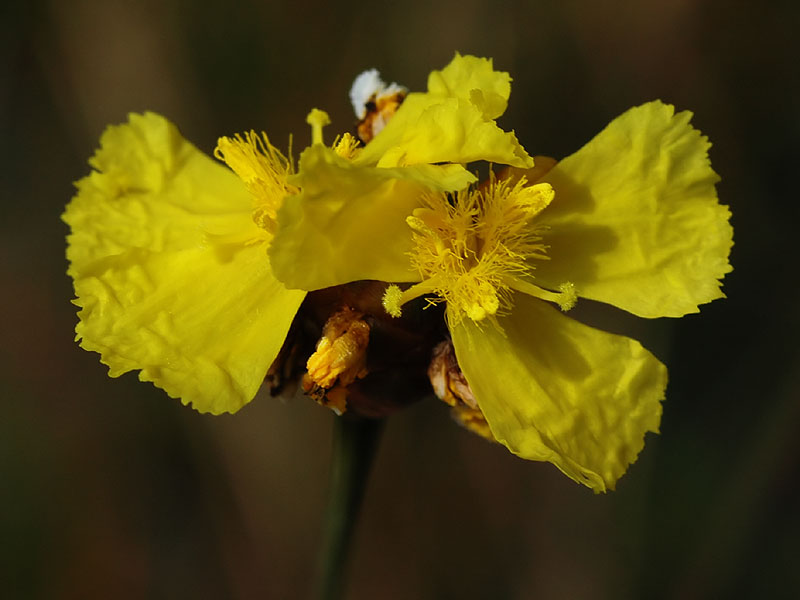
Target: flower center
(474,248)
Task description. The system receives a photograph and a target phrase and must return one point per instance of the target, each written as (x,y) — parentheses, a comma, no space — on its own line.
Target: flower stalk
(355,440)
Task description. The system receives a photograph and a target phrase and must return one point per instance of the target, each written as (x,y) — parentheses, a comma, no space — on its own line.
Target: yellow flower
(194,273)
(168,256)
(631,219)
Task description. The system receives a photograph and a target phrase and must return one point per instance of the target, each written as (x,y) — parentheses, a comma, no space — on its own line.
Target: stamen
(262,168)
(392,300)
(474,248)
(394,297)
(566,297)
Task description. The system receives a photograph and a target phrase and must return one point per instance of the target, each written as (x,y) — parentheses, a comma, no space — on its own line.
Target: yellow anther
(392,300)
(317,119)
(568,296)
(418,225)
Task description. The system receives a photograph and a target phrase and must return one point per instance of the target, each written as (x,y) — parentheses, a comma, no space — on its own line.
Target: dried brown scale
(397,355)
(472,419)
(449,383)
(451,387)
(379,110)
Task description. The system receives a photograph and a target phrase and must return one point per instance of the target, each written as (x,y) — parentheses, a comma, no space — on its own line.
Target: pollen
(475,247)
(392,300)
(264,171)
(568,296)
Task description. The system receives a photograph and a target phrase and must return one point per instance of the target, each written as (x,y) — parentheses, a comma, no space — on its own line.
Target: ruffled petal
(452,122)
(553,389)
(170,271)
(473,78)
(349,221)
(635,221)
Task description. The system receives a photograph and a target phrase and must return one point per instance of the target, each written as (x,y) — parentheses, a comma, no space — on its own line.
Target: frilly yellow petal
(170,271)
(144,159)
(474,79)
(635,221)
(553,389)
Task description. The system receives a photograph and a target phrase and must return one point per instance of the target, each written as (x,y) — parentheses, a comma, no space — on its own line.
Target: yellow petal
(151,189)
(473,78)
(452,122)
(348,223)
(635,221)
(170,271)
(553,389)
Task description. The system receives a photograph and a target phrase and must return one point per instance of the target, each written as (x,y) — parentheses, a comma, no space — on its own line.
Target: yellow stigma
(263,169)
(474,247)
(317,119)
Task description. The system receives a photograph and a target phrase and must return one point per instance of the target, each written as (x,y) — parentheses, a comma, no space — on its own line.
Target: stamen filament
(565,297)
(394,298)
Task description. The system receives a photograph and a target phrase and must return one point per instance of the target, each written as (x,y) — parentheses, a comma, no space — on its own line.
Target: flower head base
(264,171)
(473,248)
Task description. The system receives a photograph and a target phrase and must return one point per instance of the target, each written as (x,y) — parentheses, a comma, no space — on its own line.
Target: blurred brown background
(109,489)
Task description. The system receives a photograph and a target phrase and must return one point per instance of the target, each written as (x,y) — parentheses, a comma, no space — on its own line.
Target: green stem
(354,442)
